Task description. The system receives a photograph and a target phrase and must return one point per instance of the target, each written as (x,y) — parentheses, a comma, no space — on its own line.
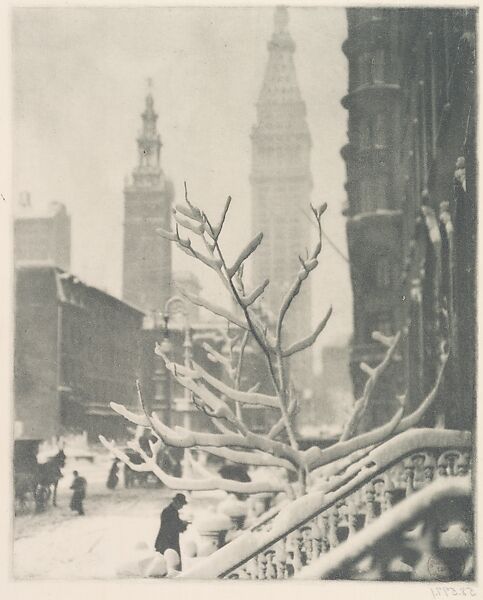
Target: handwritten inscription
(446,591)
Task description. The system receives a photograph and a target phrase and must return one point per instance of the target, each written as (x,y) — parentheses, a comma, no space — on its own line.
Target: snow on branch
(244,254)
(215,230)
(183,438)
(253,398)
(314,457)
(216,356)
(214,308)
(309,340)
(308,265)
(260,459)
(362,405)
(191,484)
(137,419)
(414,418)
(253,296)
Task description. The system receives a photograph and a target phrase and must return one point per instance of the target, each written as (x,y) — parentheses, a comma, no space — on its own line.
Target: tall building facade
(281,184)
(411,216)
(147,206)
(42,236)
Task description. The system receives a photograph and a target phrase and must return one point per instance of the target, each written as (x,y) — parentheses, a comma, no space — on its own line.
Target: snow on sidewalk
(83,547)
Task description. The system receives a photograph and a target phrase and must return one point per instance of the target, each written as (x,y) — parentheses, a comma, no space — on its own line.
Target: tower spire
(280,86)
(148,170)
(147,206)
(281,182)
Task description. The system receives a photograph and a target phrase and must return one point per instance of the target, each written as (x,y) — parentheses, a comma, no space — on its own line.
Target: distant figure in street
(79,485)
(113,478)
(171,526)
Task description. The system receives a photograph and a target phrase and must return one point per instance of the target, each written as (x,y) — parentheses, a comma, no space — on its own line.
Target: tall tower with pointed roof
(281,184)
(147,206)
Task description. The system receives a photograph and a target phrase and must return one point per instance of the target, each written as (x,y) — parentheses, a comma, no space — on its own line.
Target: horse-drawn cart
(34,482)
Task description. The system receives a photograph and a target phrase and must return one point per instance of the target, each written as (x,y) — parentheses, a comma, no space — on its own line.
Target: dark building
(147,256)
(42,235)
(411,215)
(76,350)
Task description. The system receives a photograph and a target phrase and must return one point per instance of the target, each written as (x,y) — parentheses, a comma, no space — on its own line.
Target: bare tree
(198,237)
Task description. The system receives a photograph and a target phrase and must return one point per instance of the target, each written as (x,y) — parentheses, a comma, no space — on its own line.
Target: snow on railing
(388,548)
(320,520)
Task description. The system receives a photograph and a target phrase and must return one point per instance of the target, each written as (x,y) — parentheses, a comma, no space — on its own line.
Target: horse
(48,476)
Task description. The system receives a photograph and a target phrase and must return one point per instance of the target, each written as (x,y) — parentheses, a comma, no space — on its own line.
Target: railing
(428,536)
(318,522)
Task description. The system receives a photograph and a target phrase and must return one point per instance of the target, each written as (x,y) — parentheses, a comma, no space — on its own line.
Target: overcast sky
(79,87)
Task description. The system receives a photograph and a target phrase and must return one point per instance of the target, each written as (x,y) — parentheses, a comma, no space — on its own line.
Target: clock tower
(147,206)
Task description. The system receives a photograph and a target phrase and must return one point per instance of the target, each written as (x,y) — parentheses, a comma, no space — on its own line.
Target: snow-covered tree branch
(224,401)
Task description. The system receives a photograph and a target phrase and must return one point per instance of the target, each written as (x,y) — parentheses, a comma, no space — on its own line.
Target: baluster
(451,458)
(351,517)
(442,465)
(429,467)
(418,463)
(262,565)
(281,559)
(379,487)
(462,465)
(316,540)
(324,527)
(333,522)
(389,494)
(409,469)
(296,543)
(370,509)
(270,572)
(306,545)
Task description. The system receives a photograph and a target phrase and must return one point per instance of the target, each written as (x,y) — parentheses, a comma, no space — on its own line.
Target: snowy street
(60,544)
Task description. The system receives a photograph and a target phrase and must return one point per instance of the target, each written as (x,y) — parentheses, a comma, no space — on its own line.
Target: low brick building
(76,350)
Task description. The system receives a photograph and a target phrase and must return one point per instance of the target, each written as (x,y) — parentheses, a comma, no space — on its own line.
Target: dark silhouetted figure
(113,478)
(79,485)
(171,526)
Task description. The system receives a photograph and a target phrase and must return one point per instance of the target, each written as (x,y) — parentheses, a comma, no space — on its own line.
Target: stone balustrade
(300,533)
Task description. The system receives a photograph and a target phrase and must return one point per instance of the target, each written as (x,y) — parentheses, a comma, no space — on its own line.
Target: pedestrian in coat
(113,478)
(171,526)
(79,485)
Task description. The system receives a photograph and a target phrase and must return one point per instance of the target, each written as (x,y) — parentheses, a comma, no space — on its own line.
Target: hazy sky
(79,87)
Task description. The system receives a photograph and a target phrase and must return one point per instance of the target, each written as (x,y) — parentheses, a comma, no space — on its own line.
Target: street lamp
(166,347)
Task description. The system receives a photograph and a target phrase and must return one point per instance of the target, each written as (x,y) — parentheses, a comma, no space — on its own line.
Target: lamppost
(166,347)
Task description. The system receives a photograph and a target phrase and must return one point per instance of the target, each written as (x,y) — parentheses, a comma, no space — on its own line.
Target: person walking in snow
(79,485)
(113,478)
(171,526)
